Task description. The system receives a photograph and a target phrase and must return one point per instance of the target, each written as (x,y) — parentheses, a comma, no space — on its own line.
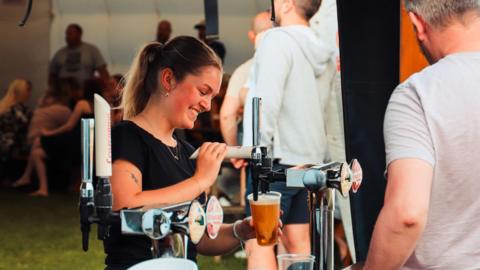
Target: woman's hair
(183,55)
(17,91)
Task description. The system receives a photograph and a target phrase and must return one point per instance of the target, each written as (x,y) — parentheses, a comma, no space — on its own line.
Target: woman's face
(193,95)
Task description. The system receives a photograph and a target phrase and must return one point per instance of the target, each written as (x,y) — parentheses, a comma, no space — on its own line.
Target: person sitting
(14,119)
(168,86)
(62,143)
(52,112)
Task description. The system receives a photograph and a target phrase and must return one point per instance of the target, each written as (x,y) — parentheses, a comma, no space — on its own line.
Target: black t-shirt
(159,169)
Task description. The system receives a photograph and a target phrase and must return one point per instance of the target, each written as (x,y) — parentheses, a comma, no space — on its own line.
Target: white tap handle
(103,147)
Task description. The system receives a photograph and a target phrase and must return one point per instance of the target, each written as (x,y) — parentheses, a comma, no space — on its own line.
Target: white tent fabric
(119,27)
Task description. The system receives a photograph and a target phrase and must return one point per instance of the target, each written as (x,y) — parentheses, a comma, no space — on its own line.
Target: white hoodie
(293,73)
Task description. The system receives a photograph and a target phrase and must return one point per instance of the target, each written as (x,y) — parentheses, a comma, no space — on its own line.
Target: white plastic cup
(295,261)
(165,263)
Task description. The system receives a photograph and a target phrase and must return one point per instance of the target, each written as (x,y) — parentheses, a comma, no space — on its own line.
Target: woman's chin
(188,125)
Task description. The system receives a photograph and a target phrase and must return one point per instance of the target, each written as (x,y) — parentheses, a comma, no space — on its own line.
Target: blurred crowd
(40,144)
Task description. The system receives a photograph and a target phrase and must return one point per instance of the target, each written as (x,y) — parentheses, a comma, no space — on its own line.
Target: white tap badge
(103,147)
(196,222)
(214,214)
(357,175)
(345,184)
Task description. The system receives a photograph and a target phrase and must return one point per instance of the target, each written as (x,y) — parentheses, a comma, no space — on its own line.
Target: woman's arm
(226,240)
(81,107)
(127,181)
(127,188)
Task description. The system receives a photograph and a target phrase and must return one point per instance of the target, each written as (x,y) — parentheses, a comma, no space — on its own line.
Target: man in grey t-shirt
(431,215)
(78,59)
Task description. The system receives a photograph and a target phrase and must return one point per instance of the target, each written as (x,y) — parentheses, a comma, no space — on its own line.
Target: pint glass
(265,215)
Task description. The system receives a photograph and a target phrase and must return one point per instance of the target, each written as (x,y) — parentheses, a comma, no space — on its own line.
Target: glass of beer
(265,215)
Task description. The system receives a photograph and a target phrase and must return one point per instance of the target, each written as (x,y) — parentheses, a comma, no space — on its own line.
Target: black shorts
(294,202)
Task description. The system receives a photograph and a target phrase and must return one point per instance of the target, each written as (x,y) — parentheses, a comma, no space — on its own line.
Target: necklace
(175,148)
(175,155)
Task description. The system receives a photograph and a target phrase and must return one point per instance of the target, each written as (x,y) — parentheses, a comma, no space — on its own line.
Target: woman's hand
(238,163)
(246,231)
(209,160)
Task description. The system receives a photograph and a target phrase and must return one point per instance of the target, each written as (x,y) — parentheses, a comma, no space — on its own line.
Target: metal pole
(256,103)
(327,224)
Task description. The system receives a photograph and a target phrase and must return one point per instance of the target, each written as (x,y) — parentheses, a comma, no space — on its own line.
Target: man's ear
(419,25)
(287,6)
(251,36)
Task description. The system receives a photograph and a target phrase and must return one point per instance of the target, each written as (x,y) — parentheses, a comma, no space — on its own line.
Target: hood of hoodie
(316,51)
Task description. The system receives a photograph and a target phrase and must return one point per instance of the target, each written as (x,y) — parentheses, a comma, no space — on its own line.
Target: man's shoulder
(277,33)
(88,47)
(445,68)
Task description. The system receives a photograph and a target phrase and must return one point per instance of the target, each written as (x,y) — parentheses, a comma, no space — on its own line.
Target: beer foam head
(266,198)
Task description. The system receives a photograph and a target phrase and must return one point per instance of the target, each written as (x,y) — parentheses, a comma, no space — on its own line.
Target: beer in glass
(265,215)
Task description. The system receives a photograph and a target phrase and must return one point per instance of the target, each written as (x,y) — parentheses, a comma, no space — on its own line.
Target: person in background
(216,45)
(167,87)
(164,30)
(291,76)
(52,112)
(231,111)
(430,215)
(61,143)
(14,120)
(78,59)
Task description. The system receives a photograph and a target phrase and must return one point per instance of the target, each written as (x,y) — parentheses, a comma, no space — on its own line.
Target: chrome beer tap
(96,204)
(320,180)
(260,164)
(86,203)
(173,224)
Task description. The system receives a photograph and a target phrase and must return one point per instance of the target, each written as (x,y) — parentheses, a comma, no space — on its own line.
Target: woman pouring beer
(166,88)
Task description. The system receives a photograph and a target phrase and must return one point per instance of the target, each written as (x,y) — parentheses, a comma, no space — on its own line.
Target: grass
(44,233)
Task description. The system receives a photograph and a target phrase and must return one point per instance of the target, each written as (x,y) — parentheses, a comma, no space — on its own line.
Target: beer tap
(86,204)
(95,206)
(166,222)
(320,180)
(103,161)
(260,164)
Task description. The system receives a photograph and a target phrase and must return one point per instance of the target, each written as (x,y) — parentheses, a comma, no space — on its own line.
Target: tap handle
(103,206)
(256,104)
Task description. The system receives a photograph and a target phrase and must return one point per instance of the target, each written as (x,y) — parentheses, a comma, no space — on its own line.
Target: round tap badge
(345,184)
(196,222)
(214,214)
(357,175)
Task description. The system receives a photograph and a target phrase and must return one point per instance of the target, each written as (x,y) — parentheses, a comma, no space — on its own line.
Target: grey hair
(439,13)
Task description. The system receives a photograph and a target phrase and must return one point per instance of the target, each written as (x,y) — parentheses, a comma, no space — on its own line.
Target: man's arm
(403,216)
(100,64)
(228,119)
(103,73)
